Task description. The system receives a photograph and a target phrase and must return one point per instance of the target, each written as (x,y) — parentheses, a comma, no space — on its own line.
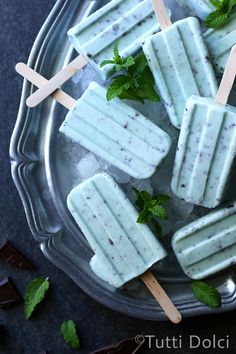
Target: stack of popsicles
(185,78)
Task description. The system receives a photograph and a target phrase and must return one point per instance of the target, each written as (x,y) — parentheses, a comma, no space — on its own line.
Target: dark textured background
(20,21)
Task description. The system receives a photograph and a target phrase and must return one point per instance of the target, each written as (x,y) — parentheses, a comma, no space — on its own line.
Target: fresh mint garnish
(34,294)
(135,80)
(220,16)
(69,333)
(151,208)
(118,61)
(206,293)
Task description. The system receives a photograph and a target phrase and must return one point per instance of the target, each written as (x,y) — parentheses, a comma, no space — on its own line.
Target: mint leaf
(118,86)
(136,83)
(117,58)
(130,95)
(139,202)
(129,61)
(215,3)
(146,92)
(151,207)
(34,294)
(218,18)
(106,62)
(140,65)
(162,198)
(69,334)
(144,217)
(157,227)
(158,210)
(206,293)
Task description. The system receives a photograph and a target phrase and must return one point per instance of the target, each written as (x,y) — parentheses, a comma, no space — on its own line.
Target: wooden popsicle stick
(39,81)
(59,79)
(161,13)
(228,79)
(162,298)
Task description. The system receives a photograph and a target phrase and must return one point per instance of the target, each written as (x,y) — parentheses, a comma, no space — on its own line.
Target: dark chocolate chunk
(2,329)
(10,255)
(128,346)
(9,295)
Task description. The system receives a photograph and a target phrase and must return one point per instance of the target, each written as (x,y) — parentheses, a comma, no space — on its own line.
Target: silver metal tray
(44,172)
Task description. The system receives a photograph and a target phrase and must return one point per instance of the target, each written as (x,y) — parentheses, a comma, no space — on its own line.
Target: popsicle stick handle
(59,79)
(161,13)
(162,298)
(39,81)
(228,79)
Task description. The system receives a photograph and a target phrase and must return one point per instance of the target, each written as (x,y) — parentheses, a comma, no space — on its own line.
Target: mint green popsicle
(117,133)
(179,60)
(208,245)
(220,41)
(205,152)
(123,248)
(127,22)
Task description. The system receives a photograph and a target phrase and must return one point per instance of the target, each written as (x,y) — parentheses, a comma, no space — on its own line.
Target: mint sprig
(34,294)
(69,333)
(119,62)
(206,293)
(220,16)
(135,80)
(151,208)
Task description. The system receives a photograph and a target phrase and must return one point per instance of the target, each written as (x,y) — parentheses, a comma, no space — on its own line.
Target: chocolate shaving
(9,295)
(127,346)
(10,255)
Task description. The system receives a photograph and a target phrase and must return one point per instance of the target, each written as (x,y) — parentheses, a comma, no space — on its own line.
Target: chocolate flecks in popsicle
(89,55)
(230,206)
(126,125)
(115,28)
(111,242)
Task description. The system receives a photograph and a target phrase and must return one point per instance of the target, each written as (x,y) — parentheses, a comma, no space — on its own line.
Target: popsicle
(180,63)
(208,245)
(220,41)
(123,248)
(207,145)
(127,22)
(112,130)
(202,8)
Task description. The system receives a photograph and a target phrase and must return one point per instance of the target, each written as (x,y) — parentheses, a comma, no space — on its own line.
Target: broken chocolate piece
(2,328)
(10,255)
(9,295)
(128,346)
